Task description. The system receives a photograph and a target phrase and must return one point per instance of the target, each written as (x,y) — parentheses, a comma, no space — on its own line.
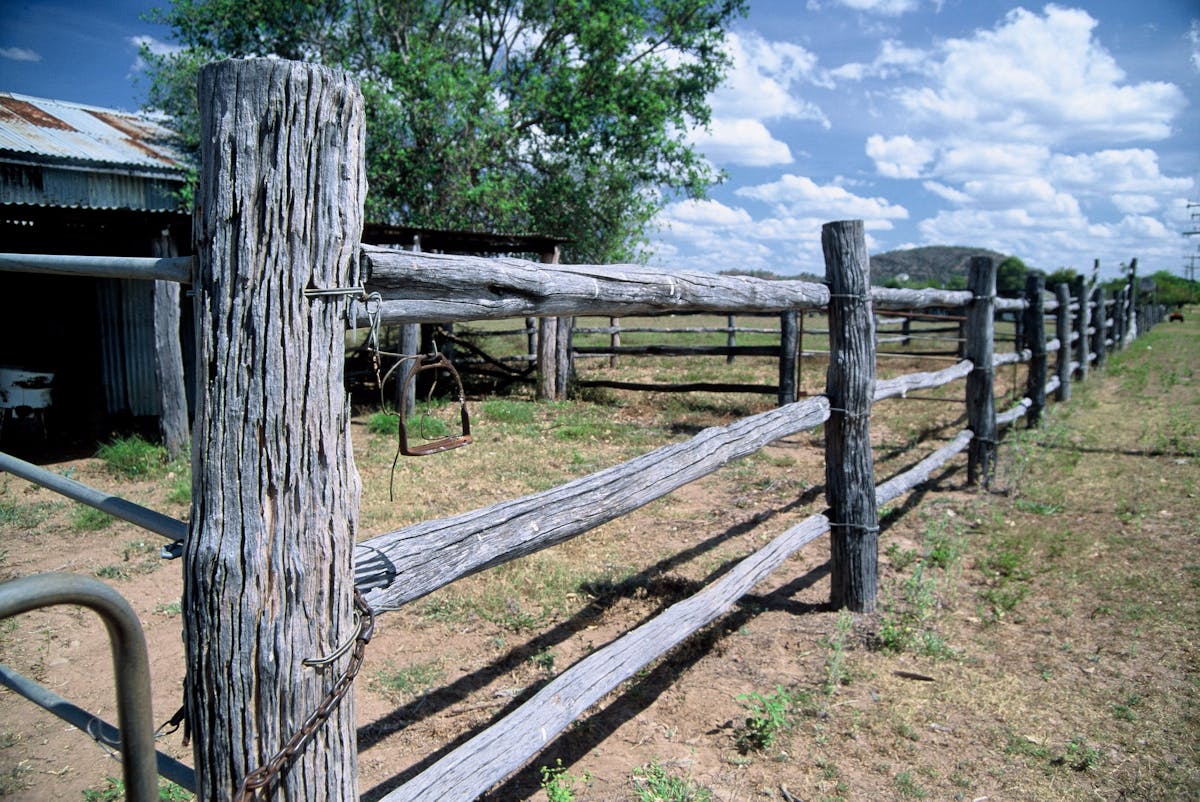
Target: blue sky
(1060,133)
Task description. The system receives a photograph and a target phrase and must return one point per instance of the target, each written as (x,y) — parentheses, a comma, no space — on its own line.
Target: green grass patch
(653,783)
(410,680)
(133,457)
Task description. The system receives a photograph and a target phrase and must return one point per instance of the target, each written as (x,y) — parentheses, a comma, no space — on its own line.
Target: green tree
(562,117)
(1010,277)
(1064,275)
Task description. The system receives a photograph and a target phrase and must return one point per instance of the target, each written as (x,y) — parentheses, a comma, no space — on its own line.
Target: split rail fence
(271,565)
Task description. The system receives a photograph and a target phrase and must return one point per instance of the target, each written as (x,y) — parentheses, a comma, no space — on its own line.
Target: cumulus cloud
(1129,170)
(799,195)
(741,141)
(20,54)
(894,59)
(900,156)
(154,46)
(1041,78)
(1194,38)
(949,193)
(891,8)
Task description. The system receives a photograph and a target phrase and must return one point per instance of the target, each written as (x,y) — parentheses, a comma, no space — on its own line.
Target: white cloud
(704,212)
(949,193)
(20,54)
(889,8)
(900,156)
(1194,38)
(155,46)
(798,195)
(741,141)
(966,160)
(1129,170)
(762,80)
(1041,79)
(894,59)
(1135,204)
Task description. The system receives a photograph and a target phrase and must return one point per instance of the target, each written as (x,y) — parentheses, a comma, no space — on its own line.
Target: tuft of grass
(114,791)
(652,783)
(89,519)
(558,784)
(504,410)
(133,457)
(24,516)
(411,680)
(770,715)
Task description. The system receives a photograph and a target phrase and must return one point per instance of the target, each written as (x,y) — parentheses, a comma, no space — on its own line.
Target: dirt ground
(1038,642)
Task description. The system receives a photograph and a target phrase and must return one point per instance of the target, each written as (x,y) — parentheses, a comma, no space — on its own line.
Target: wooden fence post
(168,358)
(1131,299)
(730,337)
(1101,323)
(1035,336)
(789,338)
(1062,330)
(268,579)
(546,358)
(1082,323)
(850,386)
(981,402)
(564,357)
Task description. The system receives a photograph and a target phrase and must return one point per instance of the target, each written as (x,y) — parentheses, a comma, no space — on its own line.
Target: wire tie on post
(864,527)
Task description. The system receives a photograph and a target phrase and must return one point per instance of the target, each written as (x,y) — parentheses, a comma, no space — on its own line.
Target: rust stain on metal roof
(11,106)
(136,135)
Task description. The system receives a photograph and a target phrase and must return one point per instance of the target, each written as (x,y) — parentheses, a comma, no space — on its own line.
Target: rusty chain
(270,771)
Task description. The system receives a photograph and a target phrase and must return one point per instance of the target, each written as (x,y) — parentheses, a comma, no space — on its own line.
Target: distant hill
(930,264)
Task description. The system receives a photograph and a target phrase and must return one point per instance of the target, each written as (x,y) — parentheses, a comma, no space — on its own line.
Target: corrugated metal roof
(56,129)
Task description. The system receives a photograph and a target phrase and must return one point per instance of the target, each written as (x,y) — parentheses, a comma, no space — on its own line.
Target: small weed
(132,457)
(836,673)
(901,559)
(770,715)
(180,477)
(652,783)
(1124,710)
(383,423)
(903,622)
(114,791)
(1037,507)
(23,516)
(1079,756)
(558,785)
(411,680)
(169,609)
(89,519)
(907,787)
(544,660)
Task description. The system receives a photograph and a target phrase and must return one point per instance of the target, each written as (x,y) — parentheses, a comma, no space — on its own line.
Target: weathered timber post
(406,391)
(1101,341)
(1082,321)
(1062,330)
(906,330)
(547,350)
(267,569)
(981,402)
(564,357)
(548,345)
(789,338)
(730,337)
(1131,300)
(168,358)
(531,338)
(614,339)
(1035,336)
(850,386)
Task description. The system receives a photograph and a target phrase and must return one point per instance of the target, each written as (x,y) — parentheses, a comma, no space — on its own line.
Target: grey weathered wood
(1131,303)
(901,385)
(1052,384)
(547,359)
(850,386)
(400,566)
(1011,357)
(899,485)
(1082,323)
(1100,342)
(1011,304)
(889,298)
(1062,331)
(1013,415)
(789,339)
(564,363)
(406,391)
(730,336)
(168,359)
(498,751)
(171,268)
(614,338)
(443,287)
(267,569)
(981,405)
(1035,332)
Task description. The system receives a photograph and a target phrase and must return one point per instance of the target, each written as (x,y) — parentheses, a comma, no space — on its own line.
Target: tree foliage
(561,117)
(1010,277)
